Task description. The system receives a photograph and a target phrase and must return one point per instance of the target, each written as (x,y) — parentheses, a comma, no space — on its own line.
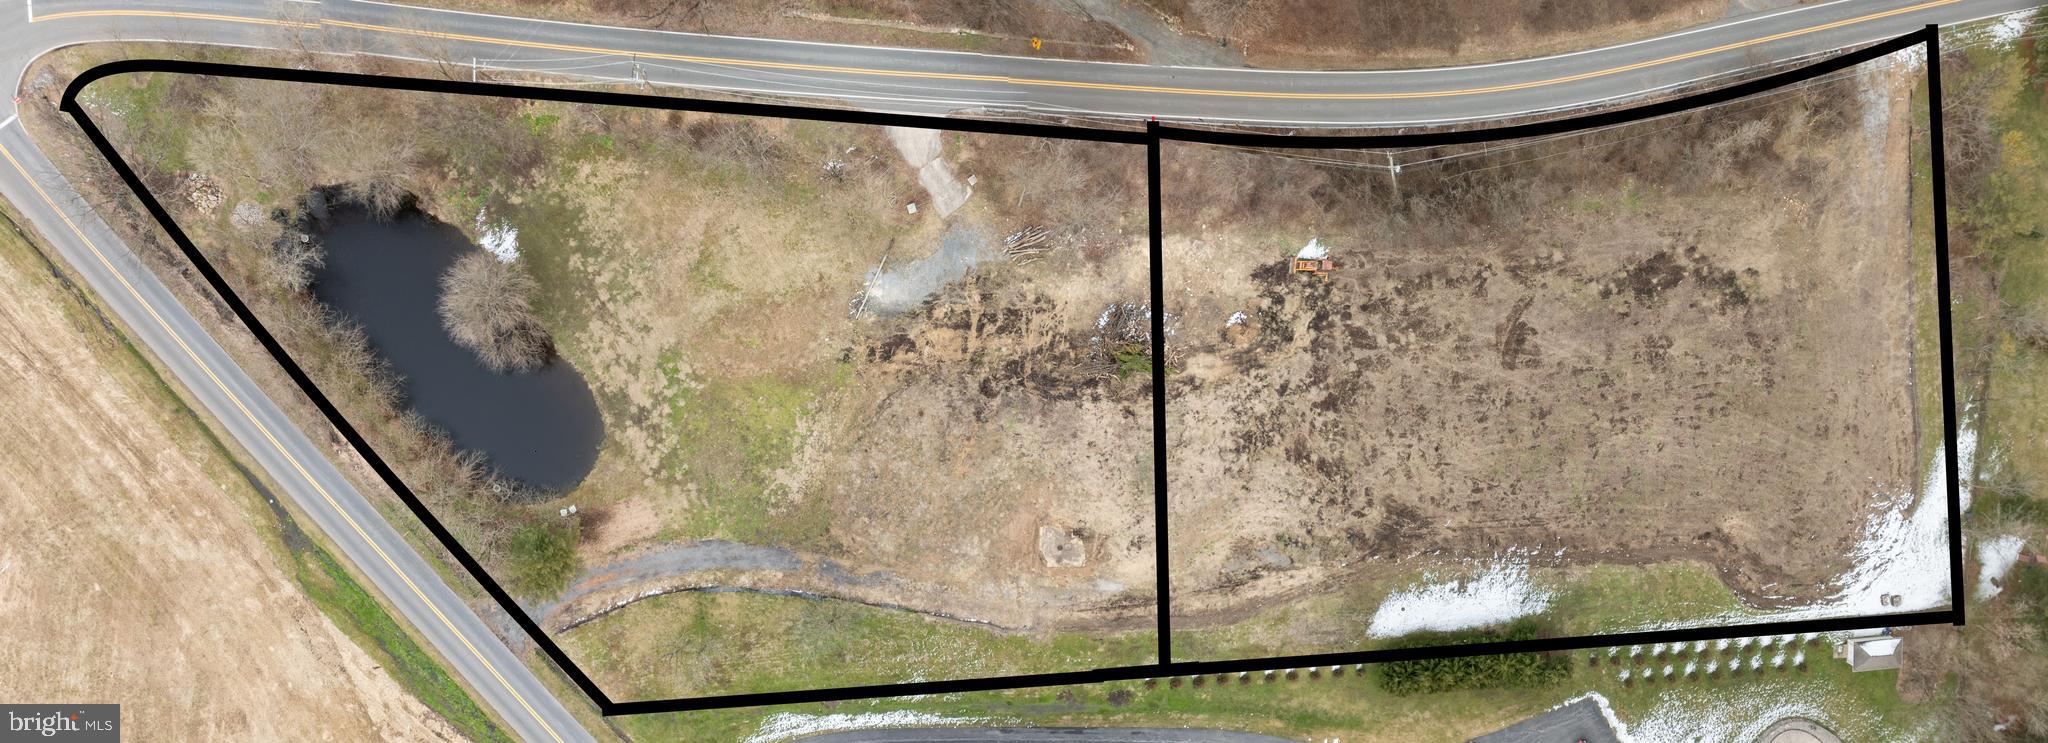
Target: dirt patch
(141,532)
(895,289)
(922,149)
(1061,548)
(1617,369)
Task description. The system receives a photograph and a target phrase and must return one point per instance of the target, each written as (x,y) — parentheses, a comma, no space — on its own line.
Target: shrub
(486,307)
(1428,676)
(292,260)
(1132,358)
(542,558)
(382,198)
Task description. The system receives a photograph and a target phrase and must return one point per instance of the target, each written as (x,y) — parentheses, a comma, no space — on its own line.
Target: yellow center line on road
(1020,81)
(232,397)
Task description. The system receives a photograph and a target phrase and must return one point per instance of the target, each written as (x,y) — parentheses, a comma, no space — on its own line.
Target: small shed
(1319,267)
(1873,653)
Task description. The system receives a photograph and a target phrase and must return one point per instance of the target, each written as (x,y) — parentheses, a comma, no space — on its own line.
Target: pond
(541,428)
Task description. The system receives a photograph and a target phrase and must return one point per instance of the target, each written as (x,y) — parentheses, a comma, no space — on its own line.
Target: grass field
(740,642)
(1993,330)
(1582,601)
(344,600)
(1351,705)
(352,608)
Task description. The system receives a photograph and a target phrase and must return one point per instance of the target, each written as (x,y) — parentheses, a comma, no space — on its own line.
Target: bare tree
(383,198)
(298,30)
(293,259)
(741,143)
(486,307)
(687,14)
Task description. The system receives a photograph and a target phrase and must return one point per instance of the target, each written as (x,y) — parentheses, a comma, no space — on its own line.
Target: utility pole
(1394,173)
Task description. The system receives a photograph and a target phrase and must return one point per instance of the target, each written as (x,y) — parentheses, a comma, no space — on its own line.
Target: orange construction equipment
(1321,267)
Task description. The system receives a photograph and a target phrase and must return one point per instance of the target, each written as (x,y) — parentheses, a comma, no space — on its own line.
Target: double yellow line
(1000,79)
(268,436)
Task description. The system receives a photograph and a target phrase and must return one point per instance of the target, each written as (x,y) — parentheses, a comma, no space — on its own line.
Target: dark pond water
(541,428)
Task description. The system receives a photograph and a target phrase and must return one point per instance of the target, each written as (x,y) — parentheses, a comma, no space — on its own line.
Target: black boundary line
(1151,138)
(305,383)
(1553,126)
(1156,241)
(1944,309)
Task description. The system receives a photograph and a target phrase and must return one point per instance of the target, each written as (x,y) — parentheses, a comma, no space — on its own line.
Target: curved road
(887,79)
(922,81)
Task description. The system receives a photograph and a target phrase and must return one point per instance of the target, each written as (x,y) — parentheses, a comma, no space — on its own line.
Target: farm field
(203,600)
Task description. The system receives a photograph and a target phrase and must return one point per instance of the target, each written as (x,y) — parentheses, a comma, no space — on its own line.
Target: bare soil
(1558,355)
(134,566)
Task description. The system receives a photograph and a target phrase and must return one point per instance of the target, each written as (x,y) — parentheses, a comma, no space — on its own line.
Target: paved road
(892,79)
(1041,735)
(1580,720)
(915,80)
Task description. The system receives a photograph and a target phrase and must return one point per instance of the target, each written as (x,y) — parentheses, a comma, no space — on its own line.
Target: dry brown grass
(134,566)
(1608,345)
(698,269)
(1971,671)
(1331,34)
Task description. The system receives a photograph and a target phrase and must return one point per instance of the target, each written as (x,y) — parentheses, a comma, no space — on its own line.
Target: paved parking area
(1578,721)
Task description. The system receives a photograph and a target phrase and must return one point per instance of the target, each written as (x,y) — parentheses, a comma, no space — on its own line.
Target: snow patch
(1691,715)
(1614,722)
(1498,594)
(790,725)
(1903,552)
(1906,553)
(497,237)
(1994,557)
(1695,715)
(2009,27)
(1315,250)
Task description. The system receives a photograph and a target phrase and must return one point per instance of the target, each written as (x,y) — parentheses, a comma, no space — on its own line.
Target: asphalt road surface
(1578,721)
(922,81)
(882,79)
